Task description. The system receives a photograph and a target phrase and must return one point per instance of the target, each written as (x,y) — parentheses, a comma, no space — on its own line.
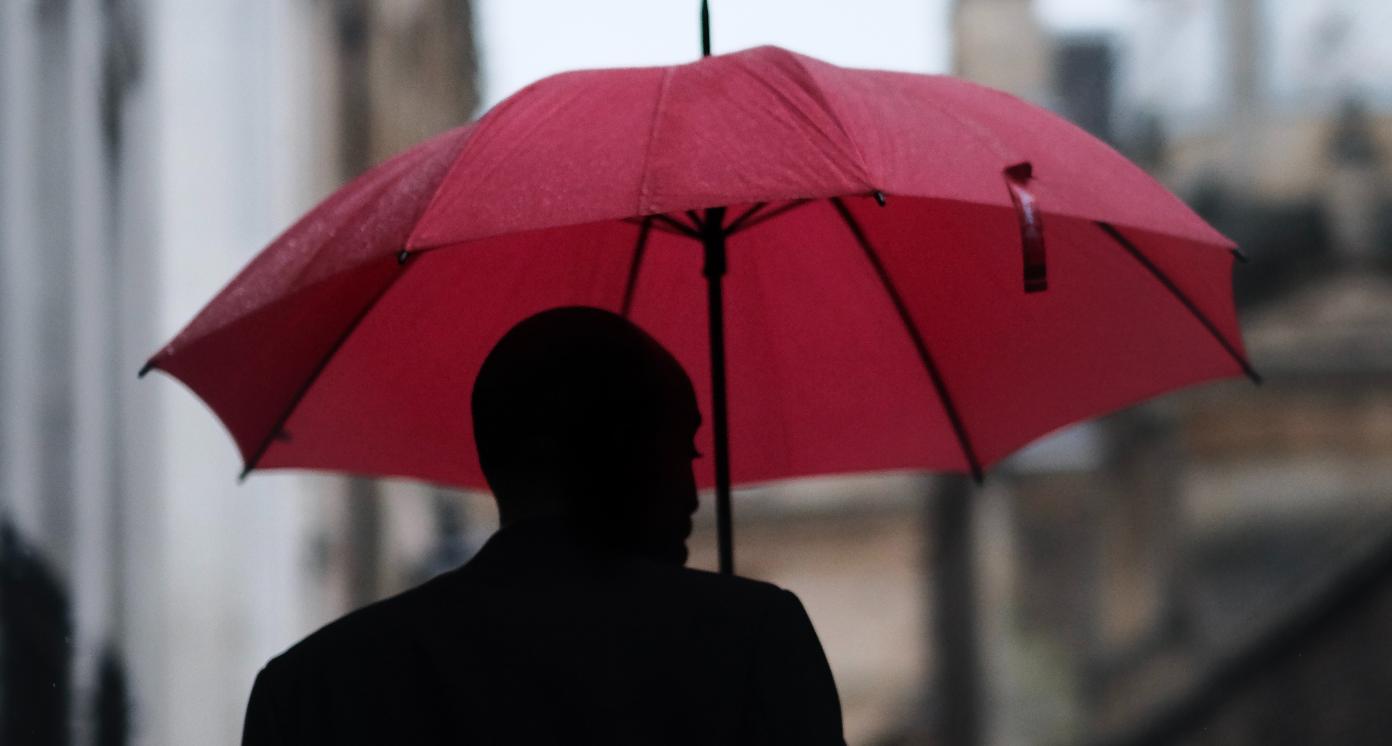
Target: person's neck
(556,521)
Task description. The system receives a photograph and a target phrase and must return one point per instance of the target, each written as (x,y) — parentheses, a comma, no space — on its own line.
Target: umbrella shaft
(713,240)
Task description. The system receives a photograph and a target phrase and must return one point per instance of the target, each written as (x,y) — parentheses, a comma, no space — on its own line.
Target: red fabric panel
(252,371)
(1104,335)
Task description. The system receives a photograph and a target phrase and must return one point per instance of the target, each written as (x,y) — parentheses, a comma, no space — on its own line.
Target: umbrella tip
(879,197)
(1239,256)
(705,29)
(243,476)
(145,369)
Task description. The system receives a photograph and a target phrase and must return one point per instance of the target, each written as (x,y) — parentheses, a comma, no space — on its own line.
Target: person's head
(579,414)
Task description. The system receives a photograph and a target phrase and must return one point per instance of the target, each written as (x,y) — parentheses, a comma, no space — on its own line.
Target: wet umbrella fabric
(913,334)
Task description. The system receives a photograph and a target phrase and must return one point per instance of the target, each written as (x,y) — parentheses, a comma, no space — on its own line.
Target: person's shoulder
(373,630)
(346,676)
(695,580)
(708,590)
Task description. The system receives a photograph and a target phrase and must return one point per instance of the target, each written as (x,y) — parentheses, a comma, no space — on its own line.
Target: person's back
(576,623)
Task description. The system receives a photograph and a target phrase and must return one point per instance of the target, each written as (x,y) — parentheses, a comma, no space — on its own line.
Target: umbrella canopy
(888,238)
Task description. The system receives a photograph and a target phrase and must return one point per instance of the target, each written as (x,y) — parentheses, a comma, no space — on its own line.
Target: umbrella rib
(770,215)
(1180,296)
(747,214)
(696,220)
(939,385)
(676,225)
(274,433)
(656,227)
(639,247)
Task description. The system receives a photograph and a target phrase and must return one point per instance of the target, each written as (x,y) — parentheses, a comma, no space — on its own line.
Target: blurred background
(1213,567)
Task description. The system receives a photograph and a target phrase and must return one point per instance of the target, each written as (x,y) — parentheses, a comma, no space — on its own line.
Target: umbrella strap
(1017,178)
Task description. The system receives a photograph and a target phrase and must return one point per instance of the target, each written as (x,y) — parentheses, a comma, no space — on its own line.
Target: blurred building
(1002,44)
(149,148)
(1244,92)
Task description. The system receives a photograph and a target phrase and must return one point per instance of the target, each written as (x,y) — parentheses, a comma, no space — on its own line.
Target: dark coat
(541,639)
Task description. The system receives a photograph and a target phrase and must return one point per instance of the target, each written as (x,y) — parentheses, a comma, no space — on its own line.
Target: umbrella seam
(370,201)
(400,164)
(835,118)
(789,105)
(644,172)
(774,213)
(455,165)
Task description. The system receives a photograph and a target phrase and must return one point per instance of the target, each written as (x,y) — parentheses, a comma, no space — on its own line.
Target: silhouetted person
(36,652)
(577,622)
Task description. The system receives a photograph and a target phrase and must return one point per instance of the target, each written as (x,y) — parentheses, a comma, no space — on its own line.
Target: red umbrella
(885,300)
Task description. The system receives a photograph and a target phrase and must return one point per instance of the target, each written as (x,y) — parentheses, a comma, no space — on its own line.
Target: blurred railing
(1316,675)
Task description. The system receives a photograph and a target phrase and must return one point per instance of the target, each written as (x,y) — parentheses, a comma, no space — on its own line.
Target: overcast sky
(523,40)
